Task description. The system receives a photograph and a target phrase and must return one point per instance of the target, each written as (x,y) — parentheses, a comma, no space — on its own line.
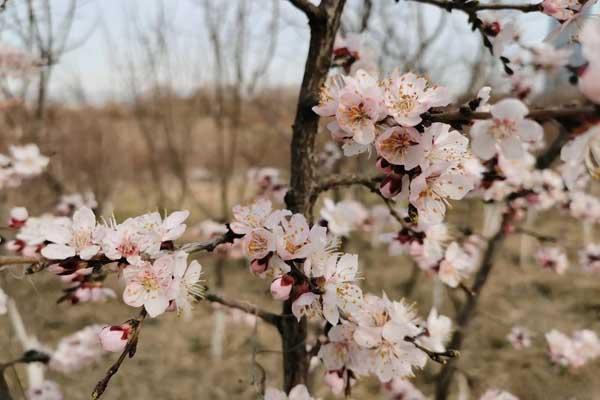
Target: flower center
(503,128)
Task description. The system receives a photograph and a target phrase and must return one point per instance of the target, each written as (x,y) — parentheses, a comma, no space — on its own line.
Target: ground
(174,361)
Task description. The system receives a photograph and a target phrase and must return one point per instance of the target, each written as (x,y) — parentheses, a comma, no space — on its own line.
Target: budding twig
(474,6)
(129,350)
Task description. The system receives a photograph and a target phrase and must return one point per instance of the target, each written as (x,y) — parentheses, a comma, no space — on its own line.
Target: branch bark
(475,6)
(266,316)
(324,22)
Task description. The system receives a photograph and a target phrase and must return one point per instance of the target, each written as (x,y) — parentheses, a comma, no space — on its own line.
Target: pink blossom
(343,217)
(360,107)
(77,351)
(257,215)
(295,238)
(408,96)
(148,285)
(27,160)
(507,131)
(78,238)
(402,388)
(258,243)
(114,338)
(589,258)
(552,258)
(519,337)
(281,287)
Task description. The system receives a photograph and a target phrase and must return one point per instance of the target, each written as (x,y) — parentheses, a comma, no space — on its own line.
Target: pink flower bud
(282,287)
(259,266)
(335,381)
(18,216)
(384,166)
(55,269)
(390,186)
(114,338)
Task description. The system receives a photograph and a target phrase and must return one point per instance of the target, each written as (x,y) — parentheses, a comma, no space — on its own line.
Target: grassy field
(174,362)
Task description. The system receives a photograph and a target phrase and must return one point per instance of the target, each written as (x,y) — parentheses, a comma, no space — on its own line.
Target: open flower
(440,144)
(185,288)
(257,215)
(360,107)
(430,190)
(583,150)
(149,285)
(343,217)
(519,337)
(341,351)
(77,238)
(295,238)
(438,332)
(506,131)
(408,96)
(456,265)
(258,243)
(399,146)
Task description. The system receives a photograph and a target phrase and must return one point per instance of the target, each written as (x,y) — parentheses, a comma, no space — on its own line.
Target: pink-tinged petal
(274,394)
(88,252)
(84,218)
(574,151)
(299,392)
(176,218)
(113,339)
(483,145)
(365,134)
(240,228)
(58,251)
(367,336)
(175,233)
(281,287)
(353,148)
(530,131)
(59,234)
(512,109)
(512,148)
(156,305)
(134,294)
(330,308)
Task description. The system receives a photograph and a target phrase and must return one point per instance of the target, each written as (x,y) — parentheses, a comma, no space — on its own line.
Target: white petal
(58,251)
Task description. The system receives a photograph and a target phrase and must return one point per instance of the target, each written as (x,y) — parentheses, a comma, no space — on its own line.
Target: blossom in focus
(360,107)
(407,96)
(281,287)
(552,258)
(257,215)
(507,131)
(295,238)
(185,288)
(114,338)
(341,292)
(149,284)
(75,239)
(382,328)
(430,191)
(46,390)
(341,351)
(307,305)
(519,337)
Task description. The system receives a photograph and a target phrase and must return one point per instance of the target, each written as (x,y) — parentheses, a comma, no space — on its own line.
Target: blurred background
(163,105)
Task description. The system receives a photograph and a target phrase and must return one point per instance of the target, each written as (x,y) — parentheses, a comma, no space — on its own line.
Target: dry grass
(173,359)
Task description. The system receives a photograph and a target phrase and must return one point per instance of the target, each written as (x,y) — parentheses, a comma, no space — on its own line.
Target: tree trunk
(323,27)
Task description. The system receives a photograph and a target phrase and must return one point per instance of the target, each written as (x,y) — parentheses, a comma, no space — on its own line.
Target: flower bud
(390,186)
(282,287)
(114,338)
(384,166)
(18,216)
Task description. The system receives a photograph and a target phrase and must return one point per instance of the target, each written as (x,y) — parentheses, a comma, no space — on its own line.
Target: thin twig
(129,351)
(474,6)
(437,356)
(209,245)
(266,316)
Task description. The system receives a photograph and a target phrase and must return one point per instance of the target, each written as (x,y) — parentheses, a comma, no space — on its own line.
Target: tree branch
(539,114)
(266,316)
(474,6)
(307,8)
(209,245)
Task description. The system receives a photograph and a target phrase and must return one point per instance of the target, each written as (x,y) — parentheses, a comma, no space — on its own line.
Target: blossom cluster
(575,351)
(22,162)
(82,252)
(368,334)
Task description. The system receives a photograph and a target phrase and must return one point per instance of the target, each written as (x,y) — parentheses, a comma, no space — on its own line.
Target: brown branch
(209,245)
(307,8)
(437,356)
(540,114)
(129,351)
(19,260)
(474,6)
(266,316)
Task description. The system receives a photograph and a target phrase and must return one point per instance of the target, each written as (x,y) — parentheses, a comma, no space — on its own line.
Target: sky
(100,64)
